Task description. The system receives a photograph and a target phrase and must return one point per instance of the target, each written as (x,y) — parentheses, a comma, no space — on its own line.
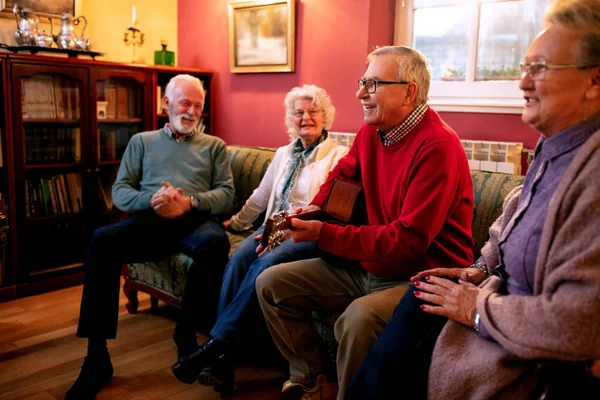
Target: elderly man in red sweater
(419,203)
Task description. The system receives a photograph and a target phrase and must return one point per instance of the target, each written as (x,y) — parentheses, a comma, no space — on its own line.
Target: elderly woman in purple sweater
(533,322)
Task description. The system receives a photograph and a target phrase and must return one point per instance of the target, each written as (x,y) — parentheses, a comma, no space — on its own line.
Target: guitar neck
(319,215)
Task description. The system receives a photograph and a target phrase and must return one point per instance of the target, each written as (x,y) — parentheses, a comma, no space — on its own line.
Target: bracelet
(482,266)
(193,202)
(476,322)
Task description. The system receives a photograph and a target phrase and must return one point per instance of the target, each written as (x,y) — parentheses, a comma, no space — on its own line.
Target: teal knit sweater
(199,166)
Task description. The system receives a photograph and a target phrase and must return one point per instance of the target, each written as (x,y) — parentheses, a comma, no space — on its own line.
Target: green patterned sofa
(489,189)
(165,279)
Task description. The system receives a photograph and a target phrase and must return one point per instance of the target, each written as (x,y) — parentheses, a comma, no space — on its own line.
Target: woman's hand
(456,301)
(473,275)
(225,224)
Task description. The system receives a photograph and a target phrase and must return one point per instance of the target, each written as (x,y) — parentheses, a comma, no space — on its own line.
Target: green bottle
(164,57)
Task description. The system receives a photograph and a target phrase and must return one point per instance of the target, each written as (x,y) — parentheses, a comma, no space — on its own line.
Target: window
(474,48)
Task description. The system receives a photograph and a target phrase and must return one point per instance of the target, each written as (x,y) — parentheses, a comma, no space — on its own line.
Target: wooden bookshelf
(64,126)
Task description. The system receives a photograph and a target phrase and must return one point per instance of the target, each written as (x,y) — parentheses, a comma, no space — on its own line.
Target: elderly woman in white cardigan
(291,181)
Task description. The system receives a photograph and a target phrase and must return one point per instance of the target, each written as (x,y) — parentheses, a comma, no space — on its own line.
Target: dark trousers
(143,237)
(398,365)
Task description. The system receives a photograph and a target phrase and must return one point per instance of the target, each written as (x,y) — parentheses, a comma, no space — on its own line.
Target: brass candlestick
(134,37)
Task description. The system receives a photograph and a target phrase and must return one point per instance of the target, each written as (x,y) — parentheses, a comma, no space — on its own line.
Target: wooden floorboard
(40,357)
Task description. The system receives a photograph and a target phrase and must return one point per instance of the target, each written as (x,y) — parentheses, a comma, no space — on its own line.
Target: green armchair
(165,279)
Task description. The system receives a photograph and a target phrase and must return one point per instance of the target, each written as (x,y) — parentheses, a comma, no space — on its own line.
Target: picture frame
(41,8)
(262,36)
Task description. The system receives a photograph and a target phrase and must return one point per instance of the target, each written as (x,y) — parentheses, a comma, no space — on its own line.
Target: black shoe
(188,368)
(95,373)
(220,375)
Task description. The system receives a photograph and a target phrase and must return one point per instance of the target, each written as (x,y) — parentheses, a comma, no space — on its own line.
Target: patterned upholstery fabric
(249,164)
(168,275)
(489,189)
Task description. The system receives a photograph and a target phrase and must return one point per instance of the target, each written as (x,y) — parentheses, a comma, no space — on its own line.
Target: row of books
(122,99)
(45,145)
(49,97)
(105,192)
(53,195)
(113,139)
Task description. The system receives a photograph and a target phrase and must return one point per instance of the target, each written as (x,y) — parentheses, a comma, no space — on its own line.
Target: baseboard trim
(8,293)
(48,285)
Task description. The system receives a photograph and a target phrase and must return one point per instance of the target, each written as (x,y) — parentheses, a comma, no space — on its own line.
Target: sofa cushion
(489,189)
(248,165)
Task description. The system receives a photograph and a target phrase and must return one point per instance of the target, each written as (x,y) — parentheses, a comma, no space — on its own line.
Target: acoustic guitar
(344,205)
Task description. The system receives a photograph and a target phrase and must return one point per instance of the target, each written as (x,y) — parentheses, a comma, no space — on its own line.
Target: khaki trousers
(289,292)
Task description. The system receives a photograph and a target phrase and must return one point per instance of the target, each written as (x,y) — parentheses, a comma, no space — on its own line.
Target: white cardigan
(324,158)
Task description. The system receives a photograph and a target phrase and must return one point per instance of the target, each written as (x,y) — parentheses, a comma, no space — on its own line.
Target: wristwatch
(476,321)
(193,201)
(482,266)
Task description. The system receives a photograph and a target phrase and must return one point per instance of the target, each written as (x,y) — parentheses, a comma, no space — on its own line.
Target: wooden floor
(40,357)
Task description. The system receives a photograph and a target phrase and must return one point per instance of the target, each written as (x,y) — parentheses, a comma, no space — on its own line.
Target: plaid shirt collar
(182,137)
(396,134)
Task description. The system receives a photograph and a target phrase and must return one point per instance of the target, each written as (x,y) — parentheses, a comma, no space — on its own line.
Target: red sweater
(419,200)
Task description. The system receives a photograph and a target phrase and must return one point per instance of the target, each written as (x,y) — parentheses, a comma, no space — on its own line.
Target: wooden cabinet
(65,125)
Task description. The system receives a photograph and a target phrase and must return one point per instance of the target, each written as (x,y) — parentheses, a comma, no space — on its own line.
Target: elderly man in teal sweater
(171,182)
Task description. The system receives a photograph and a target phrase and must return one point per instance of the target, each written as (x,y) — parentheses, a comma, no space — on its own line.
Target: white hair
(319,98)
(174,83)
(412,67)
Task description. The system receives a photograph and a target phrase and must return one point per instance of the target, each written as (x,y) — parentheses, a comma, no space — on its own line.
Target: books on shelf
(50,144)
(49,97)
(53,195)
(121,99)
(105,192)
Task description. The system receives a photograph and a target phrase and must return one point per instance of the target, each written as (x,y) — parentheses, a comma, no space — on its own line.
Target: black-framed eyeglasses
(370,85)
(536,69)
(312,112)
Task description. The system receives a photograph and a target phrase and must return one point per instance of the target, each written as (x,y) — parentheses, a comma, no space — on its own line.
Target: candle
(133,15)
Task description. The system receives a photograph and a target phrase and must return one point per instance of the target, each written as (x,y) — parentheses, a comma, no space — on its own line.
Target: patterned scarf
(294,167)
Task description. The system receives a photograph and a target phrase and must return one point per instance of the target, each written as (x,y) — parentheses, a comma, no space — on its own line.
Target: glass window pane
(505,31)
(441,33)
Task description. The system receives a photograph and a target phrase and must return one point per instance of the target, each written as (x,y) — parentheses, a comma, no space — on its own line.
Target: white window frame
(503,97)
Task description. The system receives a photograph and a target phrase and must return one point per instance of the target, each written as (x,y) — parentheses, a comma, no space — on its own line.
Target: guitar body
(344,205)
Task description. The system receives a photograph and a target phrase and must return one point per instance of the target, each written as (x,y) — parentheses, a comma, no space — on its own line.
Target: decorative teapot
(66,36)
(44,39)
(26,27)
(82,43)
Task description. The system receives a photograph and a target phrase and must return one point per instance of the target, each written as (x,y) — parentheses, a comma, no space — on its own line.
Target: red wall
(333,38)
(501,127)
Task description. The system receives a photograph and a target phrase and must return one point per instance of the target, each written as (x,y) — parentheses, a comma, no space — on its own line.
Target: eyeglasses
(312,112)
(370,85)
(536,69)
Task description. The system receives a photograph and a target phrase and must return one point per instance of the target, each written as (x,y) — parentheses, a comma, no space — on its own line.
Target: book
(122,101)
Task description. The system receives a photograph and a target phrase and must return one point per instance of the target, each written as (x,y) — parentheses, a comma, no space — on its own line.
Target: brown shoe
(311,393)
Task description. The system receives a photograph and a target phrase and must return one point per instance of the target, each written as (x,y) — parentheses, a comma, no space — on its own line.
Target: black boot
(220,375)
(95,373)
(188,368)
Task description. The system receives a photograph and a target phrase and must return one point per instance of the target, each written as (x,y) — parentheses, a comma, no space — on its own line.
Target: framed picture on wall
(41,8)
(261,36)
